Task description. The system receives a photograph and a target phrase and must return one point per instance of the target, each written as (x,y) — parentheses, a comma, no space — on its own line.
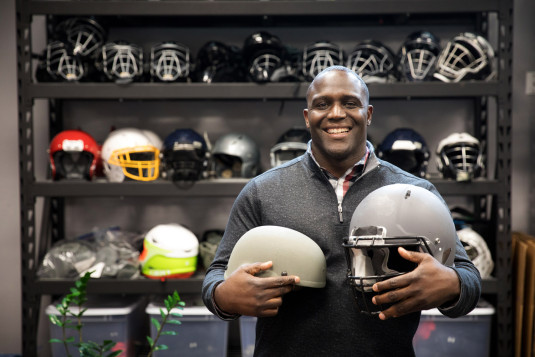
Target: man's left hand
(429,285)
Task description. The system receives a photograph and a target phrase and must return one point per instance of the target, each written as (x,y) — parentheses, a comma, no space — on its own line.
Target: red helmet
(73,155)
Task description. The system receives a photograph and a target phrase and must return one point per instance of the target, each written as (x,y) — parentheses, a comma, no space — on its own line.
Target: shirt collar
(362,162)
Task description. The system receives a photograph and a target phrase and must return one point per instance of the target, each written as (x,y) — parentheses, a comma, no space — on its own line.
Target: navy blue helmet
(184,156)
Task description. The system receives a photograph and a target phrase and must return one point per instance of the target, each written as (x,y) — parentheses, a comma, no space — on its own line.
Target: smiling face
(337,116)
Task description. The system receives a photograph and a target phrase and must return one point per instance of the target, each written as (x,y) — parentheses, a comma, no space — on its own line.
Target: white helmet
(398,215)
(477,250)
(291,252)
(169,251)
(459,157)
(132,153)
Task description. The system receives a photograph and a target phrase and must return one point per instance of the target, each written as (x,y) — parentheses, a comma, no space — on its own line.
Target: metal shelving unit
(236,13)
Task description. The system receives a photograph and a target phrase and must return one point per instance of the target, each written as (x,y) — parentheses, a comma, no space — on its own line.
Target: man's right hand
(245,294)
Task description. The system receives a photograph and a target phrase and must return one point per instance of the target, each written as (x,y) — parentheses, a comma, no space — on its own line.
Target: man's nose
(337,111)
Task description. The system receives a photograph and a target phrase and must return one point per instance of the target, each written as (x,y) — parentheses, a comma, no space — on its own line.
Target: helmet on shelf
(291,144)
(405,148)
(60,65)
(467,56)
(169,251)
(477,250)
(170,62)
(73,155)
(398,215)
(131,153)
(236,155)
(218,62)
(121,61)
(320,55)
(263,54)
(418,55)
(279,245)
(184,156)
(459,157)
(85,35)
(373,62)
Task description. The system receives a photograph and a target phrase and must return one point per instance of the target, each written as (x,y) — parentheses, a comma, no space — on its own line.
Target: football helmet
(169,251)
(209,244)
(418,55)
(131,153)
(85,35)
(279,244)
(184,156)
(218,62)
(73,155)
(59,64)
(459,157)
(398,215)
(477,250)
(406,149)
(467,56)
(373,62)
(320,55)
(291,144)
(121,61)
(169,62)
(263,53)
(236,155)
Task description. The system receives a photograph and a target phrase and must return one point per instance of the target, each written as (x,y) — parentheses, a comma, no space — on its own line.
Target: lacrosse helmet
(131,153)
(59,64)
(169,62)
(459,157)
(477,250)
(467,56)
(169,251)
(373,62)
(279,245)
(73,155)
(121,61)
(320,55)
(398,215)
(418,55)
(405,148)
(85,35)
(218,62)
(263,53)
(291,144)
(236,155)
(184,155)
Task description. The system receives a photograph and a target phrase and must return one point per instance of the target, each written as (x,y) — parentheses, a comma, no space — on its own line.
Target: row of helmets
(183,156)
(78,51)
(458,156)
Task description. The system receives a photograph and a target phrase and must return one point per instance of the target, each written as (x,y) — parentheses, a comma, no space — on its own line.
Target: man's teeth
(338,130)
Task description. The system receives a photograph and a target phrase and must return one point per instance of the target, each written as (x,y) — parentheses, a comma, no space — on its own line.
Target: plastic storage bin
(247,335)
(120,319)
(200,333)
(440,336)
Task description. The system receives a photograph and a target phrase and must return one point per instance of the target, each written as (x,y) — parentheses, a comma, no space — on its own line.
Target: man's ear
(305,114)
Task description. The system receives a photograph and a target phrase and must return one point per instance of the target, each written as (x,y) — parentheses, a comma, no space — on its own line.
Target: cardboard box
(200,333)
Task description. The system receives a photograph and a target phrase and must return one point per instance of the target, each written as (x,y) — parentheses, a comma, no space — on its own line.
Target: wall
(10,296)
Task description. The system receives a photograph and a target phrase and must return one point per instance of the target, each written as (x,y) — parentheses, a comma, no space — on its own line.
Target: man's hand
(429,285)
(245,294)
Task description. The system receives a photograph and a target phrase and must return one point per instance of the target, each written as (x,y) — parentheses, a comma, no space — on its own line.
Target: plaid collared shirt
(342,184)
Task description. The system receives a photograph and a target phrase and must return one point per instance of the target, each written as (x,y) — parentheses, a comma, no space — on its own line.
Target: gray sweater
(325,322)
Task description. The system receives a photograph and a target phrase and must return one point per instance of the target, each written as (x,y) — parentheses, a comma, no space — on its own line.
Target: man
(316,194)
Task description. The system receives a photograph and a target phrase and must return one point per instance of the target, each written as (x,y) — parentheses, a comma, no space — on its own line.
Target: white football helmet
(131,153)
(477,250)
(459,157)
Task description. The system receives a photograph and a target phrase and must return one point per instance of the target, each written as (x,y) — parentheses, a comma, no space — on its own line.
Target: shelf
(257,8)
(211,188)
(142,286)
(241,91)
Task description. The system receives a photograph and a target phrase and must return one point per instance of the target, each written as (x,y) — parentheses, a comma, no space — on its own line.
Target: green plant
(171,302)
(78,297)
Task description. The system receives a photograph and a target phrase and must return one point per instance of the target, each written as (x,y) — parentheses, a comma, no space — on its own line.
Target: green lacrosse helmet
(169,251)
(291,252)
